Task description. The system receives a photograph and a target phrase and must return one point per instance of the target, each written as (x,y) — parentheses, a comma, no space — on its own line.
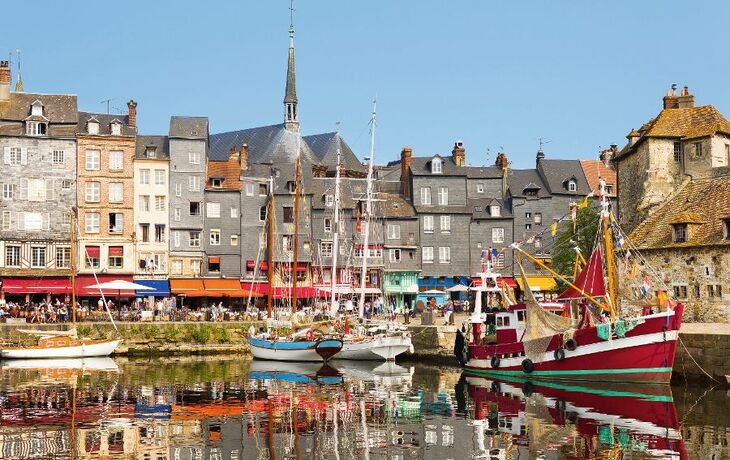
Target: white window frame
(497,235)
(92,222)
(116,192)
(36,190)
(32,221)
(8,192)
(445,223)
(395,255)
(393,231)
(572,186)
(92,192)
(495,210)
(92,127)
(437,166)
(92,160)
(444,254)
(426,196)
(144,176)
(144,203)
(116,160)
(176,238)
(250,188)
(58,157)
(160,177)
(7,223)
(443,196)
(35,251)
(116,129)
(12,256)
(234,213)
(194,183)
(194,239)
(329,200)
(325,249)
(215,237)
(427,224)
(194,158)
(212,210)
(178,189)
(160,203)
(427,254)
(480,188)
(234,240)
(327,224)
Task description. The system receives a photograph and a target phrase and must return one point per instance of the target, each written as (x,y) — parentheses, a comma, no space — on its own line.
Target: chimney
(540,156)
(132,107)
(405,171)
(670,100)
(458,153)
(503,163)
(633,136)
(686,100)
(607,155)
(243,158)
(4,81)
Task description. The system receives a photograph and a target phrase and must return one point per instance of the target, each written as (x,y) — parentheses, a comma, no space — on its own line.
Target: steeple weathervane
(291,116)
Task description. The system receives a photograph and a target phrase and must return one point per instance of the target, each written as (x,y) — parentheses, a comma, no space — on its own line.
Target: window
(177,214)
(213,209)
(7,225)
(714,290)
(262,214)
(425,195)
(572,186)
(445,224)
(528,215)
(263,190)
(63,257)
(194,183)
(528,226)
(145,232)
(726,227)
(327,225)
(37,189)
(194,158)
(12,256)
(195,266)
(538,243)
(159,177)
(176,239)
(249,188)
(609,189)
(92,222)
(92,256)
(436,166)
(697,150)
(58,157)
(159,233)
(14,156)
(427,255)
(178,189)
(288,215)
(680,291)
(150,152)
(443,196)
(502,321)
(37,257)
(177,267)
(194,239)
(427,224)
(216,183)
(92,160)
(144,176)
(8,191)
(116,257)
(444,255)
(66,184)
(116,160)
(679,233)
(194,208)
(393,232)
(678,152)
(234,240)
(92,127)
(144,203)
(495,210)
(498,235)
(480,188)
(160,203)
(395,255)
(33,221)
(116,222)
(325,249)
(35,128)
(215,237)
(291,186)
(329,200)
(116,192)
(234,213)
(538,218)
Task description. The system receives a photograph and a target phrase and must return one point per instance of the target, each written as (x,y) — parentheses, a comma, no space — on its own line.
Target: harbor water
(231,408)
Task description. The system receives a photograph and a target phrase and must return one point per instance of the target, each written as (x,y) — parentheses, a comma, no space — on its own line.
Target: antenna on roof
(107,102)
(543,141)
(291,18)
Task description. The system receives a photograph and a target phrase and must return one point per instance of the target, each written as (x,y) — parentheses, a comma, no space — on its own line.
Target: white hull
(375,348)
(84,364)
(85,350)
(309,355)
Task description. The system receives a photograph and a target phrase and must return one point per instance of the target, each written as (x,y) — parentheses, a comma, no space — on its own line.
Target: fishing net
(541,325)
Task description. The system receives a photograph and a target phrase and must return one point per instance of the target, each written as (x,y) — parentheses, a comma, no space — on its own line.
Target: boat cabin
(510,324)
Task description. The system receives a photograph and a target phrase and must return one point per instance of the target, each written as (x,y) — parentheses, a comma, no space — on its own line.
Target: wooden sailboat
(597,338)
(63,344)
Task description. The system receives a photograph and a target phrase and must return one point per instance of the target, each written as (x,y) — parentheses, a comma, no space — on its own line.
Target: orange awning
(187,287)
(227,288)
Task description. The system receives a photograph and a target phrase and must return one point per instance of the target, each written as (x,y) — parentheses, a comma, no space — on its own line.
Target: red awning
(509,282)
(37,286)
(116,251)
(84,281)
(250,264)
(93,252)
(264,265)
(304,292)
(300,268)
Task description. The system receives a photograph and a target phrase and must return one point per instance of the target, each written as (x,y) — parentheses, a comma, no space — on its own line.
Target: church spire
(19,83)
(291,115)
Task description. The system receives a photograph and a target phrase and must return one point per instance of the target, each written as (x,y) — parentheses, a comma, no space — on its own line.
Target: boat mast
(72,256)
(335,228)
(270,248)
(295,263)
(612,293)
(368,205)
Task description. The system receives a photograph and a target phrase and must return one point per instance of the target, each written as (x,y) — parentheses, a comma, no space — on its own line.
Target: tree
(584,237)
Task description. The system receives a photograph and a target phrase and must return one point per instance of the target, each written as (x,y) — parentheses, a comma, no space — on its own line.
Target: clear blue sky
(578,73)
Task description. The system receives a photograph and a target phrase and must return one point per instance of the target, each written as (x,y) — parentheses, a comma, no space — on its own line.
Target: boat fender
(528,388)
(496,387)
(559,354)
(528,366)
(465,355)
(571,344)
(494,362)
(459,346)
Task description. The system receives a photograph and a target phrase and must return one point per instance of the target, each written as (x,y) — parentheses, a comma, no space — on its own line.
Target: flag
(357,221)
(634,271)
(661,298)
(620,242)
(627,259)
(573,215)
(554,228)
(583,204)
(495,253)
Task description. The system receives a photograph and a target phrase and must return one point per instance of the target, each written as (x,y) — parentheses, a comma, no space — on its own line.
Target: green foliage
(83,331)
(587,225)
(223,335)
(202,333)
(172,334)
(151,331)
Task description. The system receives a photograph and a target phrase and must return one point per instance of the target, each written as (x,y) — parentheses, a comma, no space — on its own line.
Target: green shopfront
(400,287)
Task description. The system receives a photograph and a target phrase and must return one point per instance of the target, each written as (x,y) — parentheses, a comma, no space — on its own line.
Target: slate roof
(388,173)
(104,120)
(595,169)
(684,123)
(557,173)
(57,108)
(162,143)
(396,207)
(701,203)
(483,172)
(350,189)
(228,170)
(266,144)
(483,204)
(325,146)
(421,166)
(520,178)
(189,127)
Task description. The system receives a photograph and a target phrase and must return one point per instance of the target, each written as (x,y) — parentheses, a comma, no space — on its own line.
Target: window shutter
(46,221)
(49,189)
(23,193)
(20,220)
(6,156)
(24,156)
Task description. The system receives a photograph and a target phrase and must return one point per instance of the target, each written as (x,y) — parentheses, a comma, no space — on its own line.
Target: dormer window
(495,210)
(92,127)
(116,128)
(436,166)
(291,186)
(572,186)
(216,182)
(530,192)
(150,152)
(36,109)
(35,128)
(679,233)
(329,200)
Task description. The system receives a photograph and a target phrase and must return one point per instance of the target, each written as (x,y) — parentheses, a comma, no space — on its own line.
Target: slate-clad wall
(180,171)
(230,256)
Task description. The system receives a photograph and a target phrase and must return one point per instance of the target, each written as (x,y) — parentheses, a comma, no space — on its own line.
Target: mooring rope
(694,361)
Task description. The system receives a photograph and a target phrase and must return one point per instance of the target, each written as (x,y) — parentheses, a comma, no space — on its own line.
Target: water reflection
(233,409)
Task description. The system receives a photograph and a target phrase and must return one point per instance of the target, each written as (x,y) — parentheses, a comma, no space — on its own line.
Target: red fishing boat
(607,328)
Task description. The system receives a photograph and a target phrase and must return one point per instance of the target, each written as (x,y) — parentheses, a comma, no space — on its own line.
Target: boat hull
(87,349)
(310,350)
(645,355)
(375,348)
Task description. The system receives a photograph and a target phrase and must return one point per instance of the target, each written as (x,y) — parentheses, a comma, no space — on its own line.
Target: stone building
(683,142)
(38,169)
(188,142)
(151,200)
(105,186)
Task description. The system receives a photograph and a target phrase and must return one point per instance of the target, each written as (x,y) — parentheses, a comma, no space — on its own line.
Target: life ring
(494,362)
(528,366)
(310,335)
(571,344)
(559,354)
(528,388)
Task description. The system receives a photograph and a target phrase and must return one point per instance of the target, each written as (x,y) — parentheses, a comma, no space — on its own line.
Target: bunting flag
(627,259)
(357,221)
(620,242)
(646,286)
(483,255)
(573,215)
(554,228)
(495,253)
(583,204)
(634,271)
(661,298)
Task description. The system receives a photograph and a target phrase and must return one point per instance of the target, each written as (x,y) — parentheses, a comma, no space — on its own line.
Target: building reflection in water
(165,410)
